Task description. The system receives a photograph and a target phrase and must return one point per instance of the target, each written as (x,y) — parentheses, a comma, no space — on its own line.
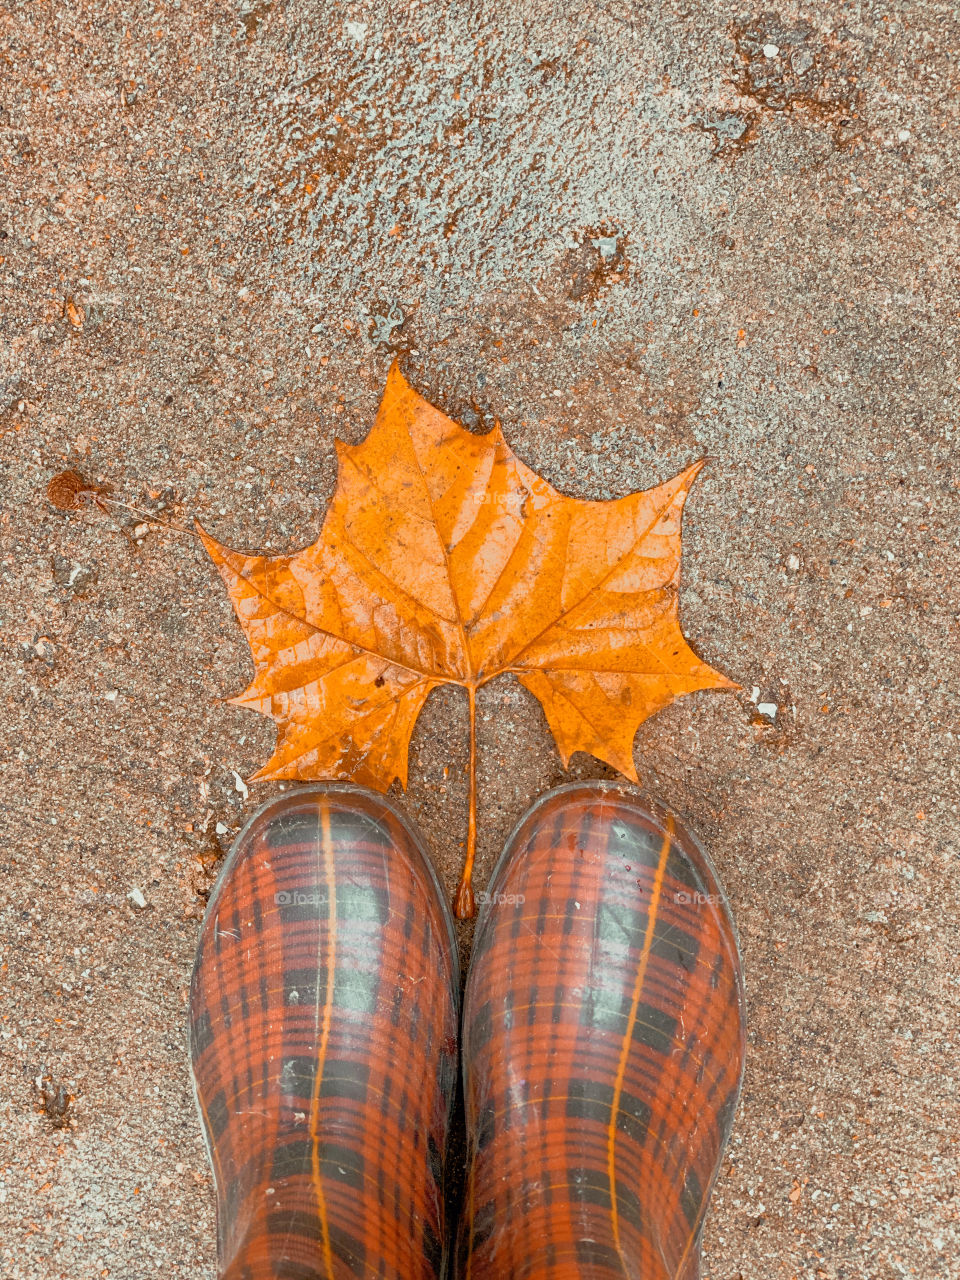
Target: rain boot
(323,1039)
(603,1044)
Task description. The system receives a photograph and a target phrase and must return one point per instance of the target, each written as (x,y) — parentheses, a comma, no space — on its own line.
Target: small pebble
(768,709)
(136,897)
(904,135)
(793,563)
(771,50)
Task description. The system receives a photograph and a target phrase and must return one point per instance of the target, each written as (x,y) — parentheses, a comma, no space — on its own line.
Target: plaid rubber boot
(323,1038)
(603,1042)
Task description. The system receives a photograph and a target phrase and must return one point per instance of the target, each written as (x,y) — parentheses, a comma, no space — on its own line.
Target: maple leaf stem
(464,906)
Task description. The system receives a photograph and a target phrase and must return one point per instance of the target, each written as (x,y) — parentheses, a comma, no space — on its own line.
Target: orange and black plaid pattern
(603,1042)
(323,1037)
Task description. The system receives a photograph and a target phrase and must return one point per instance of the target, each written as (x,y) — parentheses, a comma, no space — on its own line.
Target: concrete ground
(636,234)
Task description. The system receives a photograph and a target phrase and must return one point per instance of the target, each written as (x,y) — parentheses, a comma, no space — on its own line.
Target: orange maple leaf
(444,560)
